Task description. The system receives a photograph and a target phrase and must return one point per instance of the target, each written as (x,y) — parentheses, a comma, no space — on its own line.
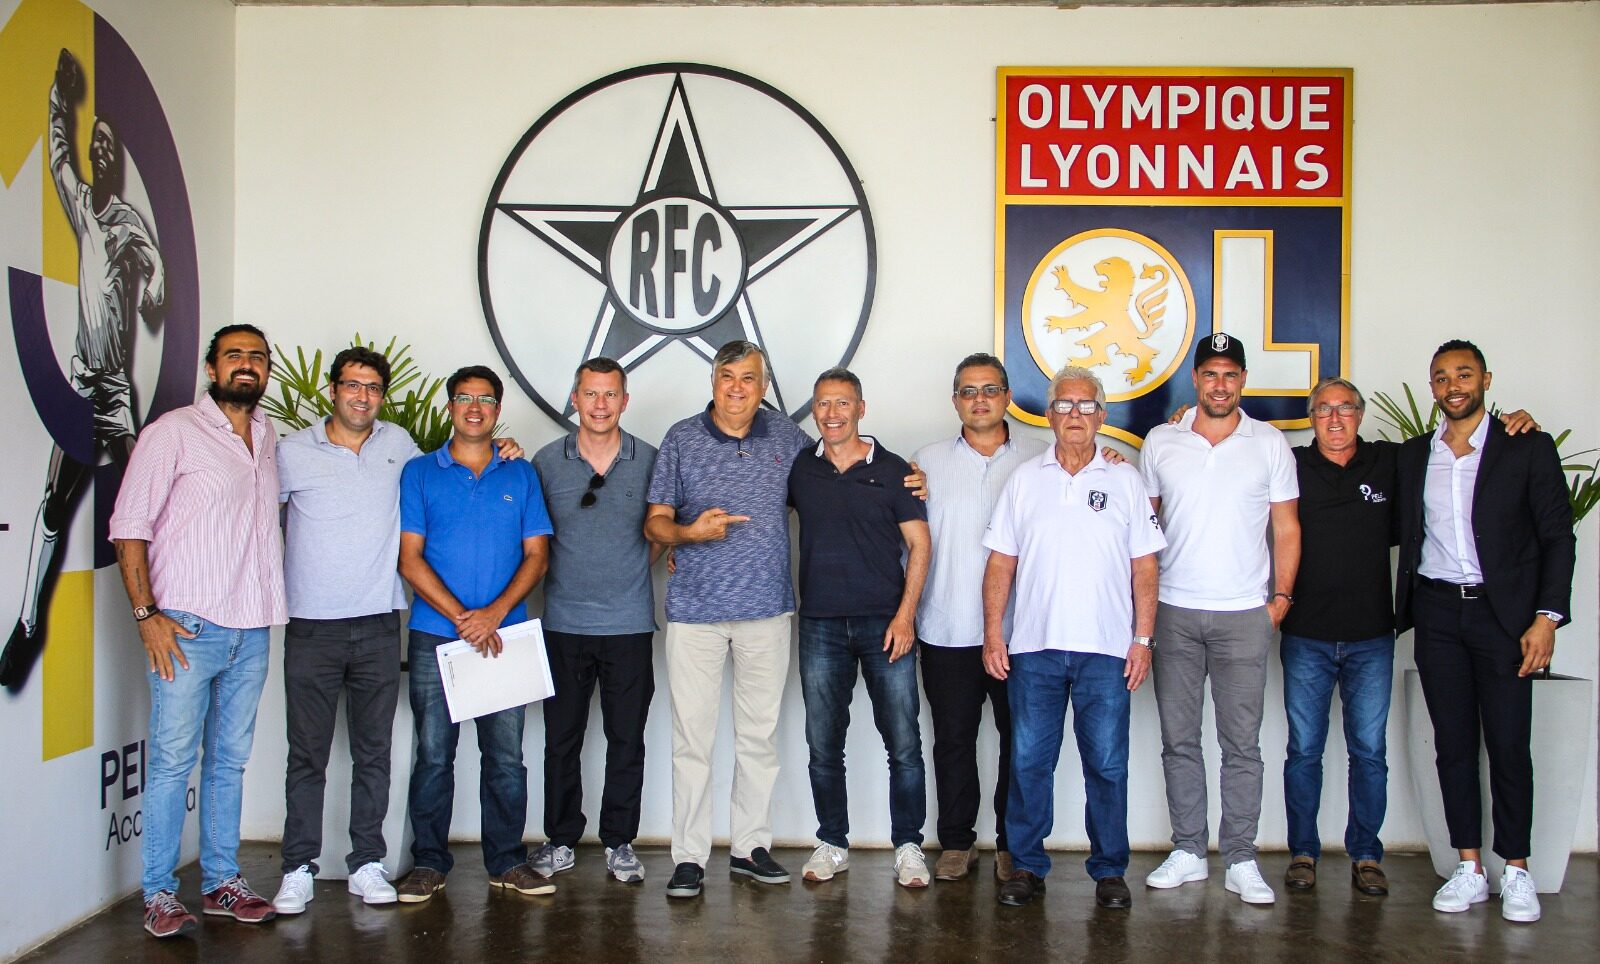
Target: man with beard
(1485,576)
(1215,478)
(119,276)
(196,530)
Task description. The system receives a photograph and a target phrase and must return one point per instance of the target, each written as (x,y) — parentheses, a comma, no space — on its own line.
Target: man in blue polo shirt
(858,606)
(474,541)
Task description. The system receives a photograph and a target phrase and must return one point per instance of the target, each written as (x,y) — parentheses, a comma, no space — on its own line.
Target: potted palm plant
(1563,711)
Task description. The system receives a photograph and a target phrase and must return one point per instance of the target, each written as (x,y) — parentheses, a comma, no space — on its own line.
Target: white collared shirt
(1449,551)
(1215,503)
(963,487)
(1075,538)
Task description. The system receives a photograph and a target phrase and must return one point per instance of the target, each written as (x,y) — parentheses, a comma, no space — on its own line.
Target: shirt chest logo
(1372,495)
(1097,500)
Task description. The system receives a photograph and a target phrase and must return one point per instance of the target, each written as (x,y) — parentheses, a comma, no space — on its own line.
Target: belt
(1471,590)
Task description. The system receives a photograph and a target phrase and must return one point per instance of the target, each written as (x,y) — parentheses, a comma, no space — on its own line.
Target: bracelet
(1284,595)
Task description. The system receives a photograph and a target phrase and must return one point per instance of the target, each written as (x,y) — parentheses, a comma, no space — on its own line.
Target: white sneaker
(551,859)
(1180,867)
(1244,879)
(826,861)
(910,866)
(1519,899)
(624,864)
(370,882)
(295,892)
(1467,886)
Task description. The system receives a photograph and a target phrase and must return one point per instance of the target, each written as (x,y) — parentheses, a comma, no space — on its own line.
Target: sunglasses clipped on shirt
(590,495)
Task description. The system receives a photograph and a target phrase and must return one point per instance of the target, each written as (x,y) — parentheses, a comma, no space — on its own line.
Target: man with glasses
(196,530)
(474,540)
(1075,535)
(1216,478)
(965,477)
(599,619)
(858,608)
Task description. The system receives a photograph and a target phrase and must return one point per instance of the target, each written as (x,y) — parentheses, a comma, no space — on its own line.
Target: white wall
(56,827)
(368,140)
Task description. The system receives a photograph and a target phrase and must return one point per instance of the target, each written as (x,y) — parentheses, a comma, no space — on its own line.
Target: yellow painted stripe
(68,684)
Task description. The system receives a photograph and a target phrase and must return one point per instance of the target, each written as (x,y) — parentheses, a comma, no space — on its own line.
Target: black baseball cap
(1219,345)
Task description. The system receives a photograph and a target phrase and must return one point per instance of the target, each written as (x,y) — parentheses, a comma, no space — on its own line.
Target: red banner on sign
(1242,137)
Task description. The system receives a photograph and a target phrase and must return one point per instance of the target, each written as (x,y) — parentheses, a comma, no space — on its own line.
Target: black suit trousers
(956,684)
(1468,665)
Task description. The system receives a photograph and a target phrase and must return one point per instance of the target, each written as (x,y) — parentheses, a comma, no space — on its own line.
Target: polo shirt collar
(1479,434)
(758,428)
(872,449)
(960,442)
(1364,451)
(445,459)
(319,430)
(625,451)
(1246,426)
(1096,464)
(208,407)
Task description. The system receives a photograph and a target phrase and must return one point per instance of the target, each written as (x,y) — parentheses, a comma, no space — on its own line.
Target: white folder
(476,685)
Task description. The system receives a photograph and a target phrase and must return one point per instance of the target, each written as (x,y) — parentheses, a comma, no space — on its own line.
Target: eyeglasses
(1345,409)
(969,392)
(361,388)
(1066,406)
(596,483)
(487,401)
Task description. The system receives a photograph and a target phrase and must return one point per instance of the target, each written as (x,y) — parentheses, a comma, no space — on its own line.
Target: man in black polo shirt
(858,607)
(1340,629)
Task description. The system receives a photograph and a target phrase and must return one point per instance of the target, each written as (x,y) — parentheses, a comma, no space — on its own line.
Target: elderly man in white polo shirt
(1074,534)
(1215,479)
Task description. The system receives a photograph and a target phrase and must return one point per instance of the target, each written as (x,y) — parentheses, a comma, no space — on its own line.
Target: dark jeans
(954,680)
(1468,666)
(622,666)
(321,658)
(1041,686)
(1364,671)
(830,650)
(502,779)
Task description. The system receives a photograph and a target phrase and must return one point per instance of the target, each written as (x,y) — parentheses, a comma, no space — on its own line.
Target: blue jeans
(1040,687)
(214,701)
(502,778)
(830,649)
(1365,673)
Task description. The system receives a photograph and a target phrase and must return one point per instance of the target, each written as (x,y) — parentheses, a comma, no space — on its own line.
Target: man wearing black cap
(1216,477)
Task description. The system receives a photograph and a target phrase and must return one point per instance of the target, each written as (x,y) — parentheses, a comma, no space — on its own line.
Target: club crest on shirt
(1097,500)
(1372,495)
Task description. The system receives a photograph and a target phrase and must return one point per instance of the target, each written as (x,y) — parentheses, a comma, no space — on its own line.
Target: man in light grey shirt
(599,619)
(965,477)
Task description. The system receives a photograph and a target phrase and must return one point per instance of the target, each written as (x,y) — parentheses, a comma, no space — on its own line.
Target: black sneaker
(759,865)
(685,881)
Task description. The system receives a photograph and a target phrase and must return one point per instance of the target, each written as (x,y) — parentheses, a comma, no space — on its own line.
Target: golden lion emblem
(1111,307)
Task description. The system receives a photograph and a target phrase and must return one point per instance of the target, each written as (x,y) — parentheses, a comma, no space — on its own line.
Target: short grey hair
(738,350)
(838,373)
(1334,381)
(1076,373)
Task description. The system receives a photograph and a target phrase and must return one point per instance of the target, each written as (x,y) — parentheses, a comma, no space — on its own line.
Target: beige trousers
(696,654)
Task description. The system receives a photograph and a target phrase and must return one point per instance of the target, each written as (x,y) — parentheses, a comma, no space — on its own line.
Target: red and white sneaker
(235,899)
(165,917)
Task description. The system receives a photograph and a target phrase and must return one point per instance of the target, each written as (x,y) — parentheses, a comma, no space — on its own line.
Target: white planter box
(1562,708)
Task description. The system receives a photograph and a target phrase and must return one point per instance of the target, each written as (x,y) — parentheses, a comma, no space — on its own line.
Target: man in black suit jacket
(1485,576)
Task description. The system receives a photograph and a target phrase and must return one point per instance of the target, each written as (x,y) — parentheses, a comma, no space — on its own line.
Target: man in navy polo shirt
(474,540)
(858,606)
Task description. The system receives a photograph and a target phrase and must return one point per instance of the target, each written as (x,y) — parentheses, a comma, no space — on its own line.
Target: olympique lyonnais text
(1228,136)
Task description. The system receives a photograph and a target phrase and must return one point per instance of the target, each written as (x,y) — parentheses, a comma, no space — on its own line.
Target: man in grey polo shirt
(599,619)
(965,477)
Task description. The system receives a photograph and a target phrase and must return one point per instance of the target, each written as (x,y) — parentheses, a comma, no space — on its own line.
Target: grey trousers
(1230,647)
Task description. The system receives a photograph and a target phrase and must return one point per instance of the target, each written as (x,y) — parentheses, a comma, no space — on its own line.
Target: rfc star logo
(657,214)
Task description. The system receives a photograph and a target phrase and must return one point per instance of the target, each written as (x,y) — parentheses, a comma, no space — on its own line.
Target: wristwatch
(141,613)
(1146,641)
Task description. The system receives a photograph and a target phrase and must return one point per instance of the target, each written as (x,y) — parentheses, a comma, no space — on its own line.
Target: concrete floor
(861,916)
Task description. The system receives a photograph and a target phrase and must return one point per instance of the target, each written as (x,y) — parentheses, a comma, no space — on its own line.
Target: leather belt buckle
(1472,590)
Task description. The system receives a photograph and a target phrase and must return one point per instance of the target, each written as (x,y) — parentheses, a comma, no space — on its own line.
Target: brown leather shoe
(1003,868)
(419,885)
(1367,877)
(1302,873)
(1020,889)
(955,864)
(524,880)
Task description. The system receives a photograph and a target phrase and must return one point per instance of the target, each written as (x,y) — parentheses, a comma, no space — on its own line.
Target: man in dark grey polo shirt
(599,618)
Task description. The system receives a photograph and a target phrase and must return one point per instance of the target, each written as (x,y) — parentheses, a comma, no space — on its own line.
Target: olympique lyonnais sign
(1140,208)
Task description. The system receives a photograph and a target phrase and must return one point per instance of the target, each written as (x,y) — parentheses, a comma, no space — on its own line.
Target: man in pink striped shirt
(196,530)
